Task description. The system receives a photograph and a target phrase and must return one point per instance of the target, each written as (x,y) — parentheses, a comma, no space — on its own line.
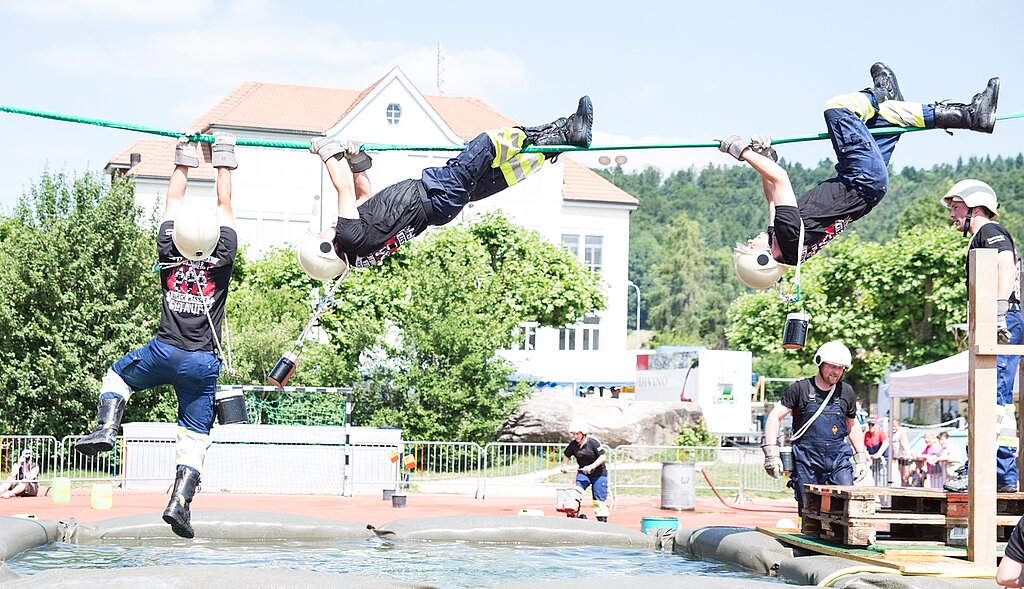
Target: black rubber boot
(177,513)
(602,518)
(979,115)
(883,84)
(576,130)
(108,422)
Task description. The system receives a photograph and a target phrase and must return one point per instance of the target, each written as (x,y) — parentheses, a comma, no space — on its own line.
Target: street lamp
(637,288)
(620,160)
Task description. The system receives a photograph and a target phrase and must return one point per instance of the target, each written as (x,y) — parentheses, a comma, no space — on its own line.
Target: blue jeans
(600,485)
(464,178)
(863,158)
(1006,371)
(192,374)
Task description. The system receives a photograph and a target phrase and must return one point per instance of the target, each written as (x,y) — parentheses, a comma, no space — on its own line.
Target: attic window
(394,113)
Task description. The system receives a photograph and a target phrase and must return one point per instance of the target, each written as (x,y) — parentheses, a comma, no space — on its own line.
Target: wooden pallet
(853,515)
(856,501)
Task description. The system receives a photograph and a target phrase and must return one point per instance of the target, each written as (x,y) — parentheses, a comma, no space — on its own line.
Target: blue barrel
(653,523)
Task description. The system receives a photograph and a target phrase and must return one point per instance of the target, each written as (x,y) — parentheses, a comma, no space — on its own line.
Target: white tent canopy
(946,378)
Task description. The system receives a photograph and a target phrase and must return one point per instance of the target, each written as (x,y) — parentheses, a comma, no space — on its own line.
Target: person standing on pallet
(824,411)
(972,208)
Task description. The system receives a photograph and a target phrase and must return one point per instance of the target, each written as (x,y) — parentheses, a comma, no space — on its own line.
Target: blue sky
(658,72)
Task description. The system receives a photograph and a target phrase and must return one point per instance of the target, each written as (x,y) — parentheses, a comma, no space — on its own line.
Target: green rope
(388,147)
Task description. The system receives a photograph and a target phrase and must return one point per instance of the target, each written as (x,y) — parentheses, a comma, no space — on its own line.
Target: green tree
(76,293)
(424,328)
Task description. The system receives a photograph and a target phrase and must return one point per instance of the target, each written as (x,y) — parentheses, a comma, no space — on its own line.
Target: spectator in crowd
(930,461)
(23,481)
(901,453)
(876,442)
(951,458)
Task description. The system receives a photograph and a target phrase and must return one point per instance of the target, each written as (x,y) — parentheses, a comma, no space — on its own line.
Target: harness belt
(428,206)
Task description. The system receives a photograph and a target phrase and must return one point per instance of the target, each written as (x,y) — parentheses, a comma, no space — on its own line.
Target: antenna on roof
(440,68)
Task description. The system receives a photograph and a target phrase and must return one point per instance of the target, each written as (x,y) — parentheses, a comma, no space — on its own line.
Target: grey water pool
(444,564)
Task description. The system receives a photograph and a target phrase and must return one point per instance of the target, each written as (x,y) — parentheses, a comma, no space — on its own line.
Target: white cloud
(108,10)
(260,47)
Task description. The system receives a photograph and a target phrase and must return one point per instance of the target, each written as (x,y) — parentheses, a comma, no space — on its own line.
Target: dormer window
(394,113)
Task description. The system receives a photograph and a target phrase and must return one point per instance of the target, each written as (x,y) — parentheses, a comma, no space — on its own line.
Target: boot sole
(93,448)
(585,111)
(177,528)
(990,123)
(882,68)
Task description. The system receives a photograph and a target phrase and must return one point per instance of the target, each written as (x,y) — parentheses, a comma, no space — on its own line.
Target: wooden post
(981,407)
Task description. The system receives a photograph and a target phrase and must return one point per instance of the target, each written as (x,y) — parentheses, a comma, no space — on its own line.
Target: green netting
(288,408)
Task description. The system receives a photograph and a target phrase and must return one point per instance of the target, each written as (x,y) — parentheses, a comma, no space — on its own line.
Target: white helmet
(833,352)
(319,260)
(756,268)
(579,425)
(196,230)
(973,193)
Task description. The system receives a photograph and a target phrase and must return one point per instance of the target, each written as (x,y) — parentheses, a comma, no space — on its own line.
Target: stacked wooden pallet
(855,516)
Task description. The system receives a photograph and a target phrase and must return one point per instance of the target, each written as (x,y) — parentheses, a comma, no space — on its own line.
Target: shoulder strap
(807,424)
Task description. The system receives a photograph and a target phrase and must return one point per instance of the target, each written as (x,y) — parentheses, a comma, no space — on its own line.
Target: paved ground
(627,511)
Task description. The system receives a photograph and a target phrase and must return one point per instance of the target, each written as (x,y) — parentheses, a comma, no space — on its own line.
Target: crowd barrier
(463,468)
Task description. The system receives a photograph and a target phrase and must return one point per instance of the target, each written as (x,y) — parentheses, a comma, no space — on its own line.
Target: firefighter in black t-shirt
(800,228)
(590,458)
(972,208)
(824,411)
(372,226)
(196,247)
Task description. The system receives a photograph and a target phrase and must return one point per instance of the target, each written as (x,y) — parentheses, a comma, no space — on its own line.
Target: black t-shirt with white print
(386,220)
(991,235)
(190,287)
(827,210)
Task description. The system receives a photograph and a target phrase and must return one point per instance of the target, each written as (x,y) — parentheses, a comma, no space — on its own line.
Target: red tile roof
(158,160)
(307,109)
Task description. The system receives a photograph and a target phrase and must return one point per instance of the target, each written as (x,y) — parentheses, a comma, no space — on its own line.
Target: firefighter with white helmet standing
(824,411)
(590,457)
(972,207)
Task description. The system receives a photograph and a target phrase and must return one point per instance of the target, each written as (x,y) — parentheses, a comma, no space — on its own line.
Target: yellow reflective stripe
(521,167)
(508,141)
(855,102)
(903,114)
(1006,426)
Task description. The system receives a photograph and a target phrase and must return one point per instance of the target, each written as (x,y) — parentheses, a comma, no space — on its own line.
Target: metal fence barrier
(463,468)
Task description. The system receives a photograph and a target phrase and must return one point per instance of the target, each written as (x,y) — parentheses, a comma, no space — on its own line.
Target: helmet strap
(967,220)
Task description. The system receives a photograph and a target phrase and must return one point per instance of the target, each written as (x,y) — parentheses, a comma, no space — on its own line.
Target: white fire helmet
(579,425)
(319,260)
(833,352)
(196,230)
(756,268)
(973,193)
